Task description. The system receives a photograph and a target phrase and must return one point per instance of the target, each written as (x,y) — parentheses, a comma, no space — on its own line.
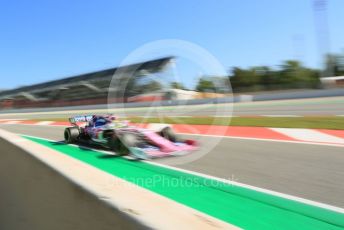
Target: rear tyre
(169,134)
(71,134)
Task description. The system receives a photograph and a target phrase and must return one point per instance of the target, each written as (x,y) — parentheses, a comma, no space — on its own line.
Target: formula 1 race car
(123,139)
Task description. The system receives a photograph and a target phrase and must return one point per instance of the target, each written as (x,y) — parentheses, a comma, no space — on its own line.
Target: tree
(247,79)
(291,74)
(334,65)
(205,85)
(294,75)
(152,86)
(177,85)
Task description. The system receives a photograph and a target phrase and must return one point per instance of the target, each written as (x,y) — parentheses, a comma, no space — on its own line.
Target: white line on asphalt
(309,135)
(44,123)
(271,140)
(18,140)
(240,138)
(12,119)
(262,190)
(11,122)
(281,116)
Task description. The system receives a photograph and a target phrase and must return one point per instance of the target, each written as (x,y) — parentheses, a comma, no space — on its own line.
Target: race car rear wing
(75,119)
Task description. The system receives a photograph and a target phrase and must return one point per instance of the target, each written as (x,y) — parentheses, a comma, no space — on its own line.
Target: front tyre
(115,145)
(121,145)
(127,141)
(71,134)
(169,134)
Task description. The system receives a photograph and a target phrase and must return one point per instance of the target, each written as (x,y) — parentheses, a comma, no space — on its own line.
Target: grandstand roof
(149,66)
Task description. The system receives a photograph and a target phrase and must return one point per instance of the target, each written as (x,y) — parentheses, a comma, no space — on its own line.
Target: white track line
(262,190)
(44,122)
(236,137)
(281,116)
(274,193)
(12,119)
(2,123)
(271,140)
(309,135)
(11,122)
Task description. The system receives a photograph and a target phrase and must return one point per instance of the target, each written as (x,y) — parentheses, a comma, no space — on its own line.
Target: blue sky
(45,40)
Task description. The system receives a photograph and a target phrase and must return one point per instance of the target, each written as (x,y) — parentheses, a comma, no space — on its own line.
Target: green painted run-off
(239,206)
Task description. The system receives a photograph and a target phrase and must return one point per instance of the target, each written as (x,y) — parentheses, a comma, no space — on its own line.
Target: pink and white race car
(123,139)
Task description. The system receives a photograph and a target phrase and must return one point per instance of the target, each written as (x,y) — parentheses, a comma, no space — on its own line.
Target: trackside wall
(35,196)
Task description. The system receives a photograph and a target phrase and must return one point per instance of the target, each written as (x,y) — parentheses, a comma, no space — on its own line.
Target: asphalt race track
(313,172)
(297,107)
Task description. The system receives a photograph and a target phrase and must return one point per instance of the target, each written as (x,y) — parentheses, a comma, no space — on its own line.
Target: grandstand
(84,89)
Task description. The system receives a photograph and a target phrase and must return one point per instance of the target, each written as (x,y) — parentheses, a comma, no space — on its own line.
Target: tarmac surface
(313,172)
(326,106)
